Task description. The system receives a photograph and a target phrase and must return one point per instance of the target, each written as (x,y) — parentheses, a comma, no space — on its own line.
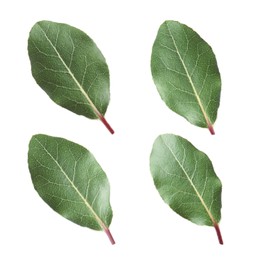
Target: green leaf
(186,181)
(186,74)
(70,180)
(70,68)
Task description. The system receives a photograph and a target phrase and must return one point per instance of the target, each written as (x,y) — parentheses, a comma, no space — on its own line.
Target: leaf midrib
(96,111)
(191,183)
(100,222)
(208,122)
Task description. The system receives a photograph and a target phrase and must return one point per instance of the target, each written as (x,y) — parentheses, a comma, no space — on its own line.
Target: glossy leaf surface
(70,68)
(70,180)
(186,181)
(186,74)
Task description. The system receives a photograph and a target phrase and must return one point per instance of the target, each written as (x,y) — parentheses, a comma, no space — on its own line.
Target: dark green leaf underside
(185,179)
(70,181)
(185,71)
(70,68)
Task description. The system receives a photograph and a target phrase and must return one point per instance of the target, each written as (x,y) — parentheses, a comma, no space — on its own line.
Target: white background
(143,226)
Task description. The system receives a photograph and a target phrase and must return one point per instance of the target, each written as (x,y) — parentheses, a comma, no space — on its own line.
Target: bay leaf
(186,181)
(70,180)
(69,67)
(185,72)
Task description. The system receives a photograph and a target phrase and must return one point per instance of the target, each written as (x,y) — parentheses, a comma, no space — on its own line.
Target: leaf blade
(186,75)
(70,68)
(185,179)
(69,179)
